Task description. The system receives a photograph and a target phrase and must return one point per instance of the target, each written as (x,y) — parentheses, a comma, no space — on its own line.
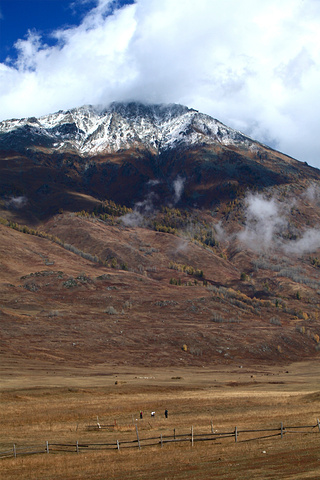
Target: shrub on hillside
(275,321)
(111,310)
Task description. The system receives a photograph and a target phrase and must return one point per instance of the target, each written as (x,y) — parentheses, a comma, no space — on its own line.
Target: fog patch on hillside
(312,194)
(17,202)
(141,210)
(309,242)
(264,221)
(268,223)
(178,187)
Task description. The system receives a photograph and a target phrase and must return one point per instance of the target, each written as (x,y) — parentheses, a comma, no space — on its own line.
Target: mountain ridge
(92,130)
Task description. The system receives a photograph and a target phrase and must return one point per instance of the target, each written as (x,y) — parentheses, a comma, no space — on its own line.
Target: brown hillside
(57,306)
(200,253)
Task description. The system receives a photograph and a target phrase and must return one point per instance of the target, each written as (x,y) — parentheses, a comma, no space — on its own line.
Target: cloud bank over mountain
(253,65)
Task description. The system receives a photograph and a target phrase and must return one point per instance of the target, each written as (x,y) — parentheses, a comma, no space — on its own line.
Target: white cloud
(254,65)
(264,220)
(267,220)
(178,186)
(16,202)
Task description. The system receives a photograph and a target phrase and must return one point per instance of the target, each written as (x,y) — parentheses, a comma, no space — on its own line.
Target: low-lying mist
(269,224)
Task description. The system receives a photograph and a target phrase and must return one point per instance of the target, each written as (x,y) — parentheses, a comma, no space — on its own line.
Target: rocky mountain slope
(142,234)
(89,131)
(129,151)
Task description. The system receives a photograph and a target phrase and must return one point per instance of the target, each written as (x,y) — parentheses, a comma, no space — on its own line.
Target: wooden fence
(239,435)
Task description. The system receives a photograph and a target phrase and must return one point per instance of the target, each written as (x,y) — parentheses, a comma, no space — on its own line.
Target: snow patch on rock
(89,130)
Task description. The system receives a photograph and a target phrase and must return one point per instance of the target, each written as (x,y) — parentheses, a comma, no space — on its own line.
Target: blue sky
(252,64)
(44,16)
(19,16)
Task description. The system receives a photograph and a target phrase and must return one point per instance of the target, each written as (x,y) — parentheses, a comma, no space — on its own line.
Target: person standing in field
(166,413)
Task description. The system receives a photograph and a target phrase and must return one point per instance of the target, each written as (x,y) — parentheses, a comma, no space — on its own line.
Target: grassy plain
(57,405)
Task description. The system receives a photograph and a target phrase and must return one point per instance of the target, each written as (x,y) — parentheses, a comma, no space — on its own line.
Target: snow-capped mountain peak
(91,130)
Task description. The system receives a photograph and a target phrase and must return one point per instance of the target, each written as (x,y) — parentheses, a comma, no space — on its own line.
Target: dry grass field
(57,405)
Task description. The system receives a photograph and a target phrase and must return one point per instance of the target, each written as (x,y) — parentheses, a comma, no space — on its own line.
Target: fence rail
(191,437)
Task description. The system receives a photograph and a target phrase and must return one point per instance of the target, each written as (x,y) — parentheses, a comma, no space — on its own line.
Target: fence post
(318,424)
(77,446)
(236,434)
(14,451)
(118,445)
(47,446)
(281,430)
(192,436)
(174,434)
(138,437)
(212,426)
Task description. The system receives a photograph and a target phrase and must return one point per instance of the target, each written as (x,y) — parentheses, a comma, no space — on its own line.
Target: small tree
(114,263)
